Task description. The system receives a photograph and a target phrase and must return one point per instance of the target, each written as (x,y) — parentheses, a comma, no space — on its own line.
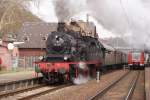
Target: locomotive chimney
(61,26)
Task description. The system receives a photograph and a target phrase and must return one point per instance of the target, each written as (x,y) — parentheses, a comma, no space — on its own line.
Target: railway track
(132,87)
(44,92)
(121,89)
(21,90)
(26,94)
(139,91)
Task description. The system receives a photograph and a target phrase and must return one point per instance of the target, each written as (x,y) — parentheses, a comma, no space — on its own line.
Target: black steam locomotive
(74,50)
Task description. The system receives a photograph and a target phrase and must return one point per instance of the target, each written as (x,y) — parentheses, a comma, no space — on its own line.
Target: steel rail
(21,90)
(44,92)
(132,87)
(102,92)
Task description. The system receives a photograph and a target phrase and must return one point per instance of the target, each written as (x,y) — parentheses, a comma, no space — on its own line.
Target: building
(8,57)
(34,35)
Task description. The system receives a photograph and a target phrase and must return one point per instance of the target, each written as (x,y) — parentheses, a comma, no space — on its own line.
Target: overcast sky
(124,18)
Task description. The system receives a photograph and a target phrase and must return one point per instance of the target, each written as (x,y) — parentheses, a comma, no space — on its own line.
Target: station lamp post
(11,47)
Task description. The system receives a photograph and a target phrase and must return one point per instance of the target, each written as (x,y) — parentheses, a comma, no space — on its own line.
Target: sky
(44,10)
(129,19)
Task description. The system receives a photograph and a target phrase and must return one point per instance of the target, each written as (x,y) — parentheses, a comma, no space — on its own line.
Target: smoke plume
(62,9)
(65,9)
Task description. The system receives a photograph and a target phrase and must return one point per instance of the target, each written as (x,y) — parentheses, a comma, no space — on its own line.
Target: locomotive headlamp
(65,58)
(57,38)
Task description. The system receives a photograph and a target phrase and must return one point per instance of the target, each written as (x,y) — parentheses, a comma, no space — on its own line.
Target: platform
(147,83)
(15,76)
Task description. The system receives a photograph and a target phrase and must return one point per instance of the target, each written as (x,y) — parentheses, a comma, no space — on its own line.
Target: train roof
(107,47)
(110,48)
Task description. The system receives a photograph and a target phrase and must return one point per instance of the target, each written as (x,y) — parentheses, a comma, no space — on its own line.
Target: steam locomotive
(74,50)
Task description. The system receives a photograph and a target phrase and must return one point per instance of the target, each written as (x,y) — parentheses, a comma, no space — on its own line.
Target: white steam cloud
(65,9)
(120,17)
(124,16)
(82,77)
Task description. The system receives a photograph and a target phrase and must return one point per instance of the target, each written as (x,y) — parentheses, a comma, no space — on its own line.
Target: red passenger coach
(136,59)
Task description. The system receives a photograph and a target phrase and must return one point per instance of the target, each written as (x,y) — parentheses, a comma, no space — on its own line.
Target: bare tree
(14,14)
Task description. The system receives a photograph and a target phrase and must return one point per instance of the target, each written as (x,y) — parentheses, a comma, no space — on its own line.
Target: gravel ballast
(83,91)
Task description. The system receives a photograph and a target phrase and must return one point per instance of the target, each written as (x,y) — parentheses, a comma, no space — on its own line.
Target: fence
(27,62)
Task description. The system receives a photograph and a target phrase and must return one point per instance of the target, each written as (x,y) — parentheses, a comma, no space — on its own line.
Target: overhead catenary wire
(130,24)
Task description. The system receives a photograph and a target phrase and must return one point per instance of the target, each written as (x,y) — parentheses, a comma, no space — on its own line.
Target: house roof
(34,34)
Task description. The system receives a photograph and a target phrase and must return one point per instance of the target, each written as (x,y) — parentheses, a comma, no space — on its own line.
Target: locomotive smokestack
(61,27)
